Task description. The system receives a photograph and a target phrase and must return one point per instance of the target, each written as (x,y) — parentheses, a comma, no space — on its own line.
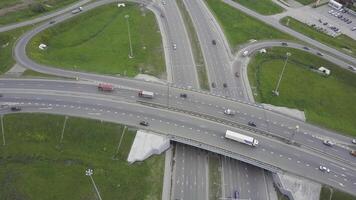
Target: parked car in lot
(353,28)
(144,123)
(324,169)
(349,22)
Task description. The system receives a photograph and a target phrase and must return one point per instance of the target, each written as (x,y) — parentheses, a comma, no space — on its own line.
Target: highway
(189,180)
(272,155)
(219,67)
(207,111)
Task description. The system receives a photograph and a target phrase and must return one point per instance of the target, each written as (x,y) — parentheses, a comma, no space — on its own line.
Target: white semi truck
(146,94)
(241,138)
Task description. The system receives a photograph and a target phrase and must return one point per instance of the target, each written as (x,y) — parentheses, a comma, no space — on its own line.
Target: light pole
(276,92)
(89,172)
(129,33)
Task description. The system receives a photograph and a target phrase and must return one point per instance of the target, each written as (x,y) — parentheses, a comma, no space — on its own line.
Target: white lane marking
(94,113)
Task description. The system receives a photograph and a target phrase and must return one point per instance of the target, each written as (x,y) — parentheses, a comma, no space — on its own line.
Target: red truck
(105,87)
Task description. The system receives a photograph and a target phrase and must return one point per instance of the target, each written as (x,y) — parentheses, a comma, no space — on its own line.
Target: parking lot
(336,21)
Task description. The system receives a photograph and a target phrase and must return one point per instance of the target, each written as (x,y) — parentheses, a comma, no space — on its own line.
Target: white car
(174,46)
(229,112)
(163,2)
(353,141)
(324,169)
(328,143)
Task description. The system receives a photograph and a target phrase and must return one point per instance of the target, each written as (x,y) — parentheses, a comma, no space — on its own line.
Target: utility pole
(64,126)
(89,172)
(2,130)
(129,33)
(275,91)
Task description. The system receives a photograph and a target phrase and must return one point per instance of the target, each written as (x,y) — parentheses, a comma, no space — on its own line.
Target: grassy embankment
(97,41)
(264,7)
(7,41)
(341,42)
(327,101)
(34,164)
(328,193)
(240,28)
(35,9)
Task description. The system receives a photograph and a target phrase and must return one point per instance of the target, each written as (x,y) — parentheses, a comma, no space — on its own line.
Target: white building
(334,4)
(324,70)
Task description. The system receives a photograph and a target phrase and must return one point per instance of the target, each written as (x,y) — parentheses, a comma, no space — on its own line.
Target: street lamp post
(129,33)
(89,172)
(275,91)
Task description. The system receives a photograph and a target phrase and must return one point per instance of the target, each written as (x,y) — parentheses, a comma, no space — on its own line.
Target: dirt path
(19,6)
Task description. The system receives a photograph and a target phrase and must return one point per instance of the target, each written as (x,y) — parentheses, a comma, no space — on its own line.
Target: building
(334,4)
(324,70)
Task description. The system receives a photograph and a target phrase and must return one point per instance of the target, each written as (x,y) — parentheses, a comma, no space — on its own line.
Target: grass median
(264,7)
(240,28)
(98,41)
(341,42)
(328,193)
(305,2)
(27,11)
(34,164)
(326,100)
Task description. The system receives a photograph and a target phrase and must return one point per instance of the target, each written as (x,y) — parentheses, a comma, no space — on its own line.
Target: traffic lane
(244,148)
(42,18)
(216,60)
(268,44)
(182,56)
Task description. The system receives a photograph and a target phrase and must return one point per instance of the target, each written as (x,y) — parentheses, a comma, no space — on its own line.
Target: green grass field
(39,7)
(327,101)
(239,28)
(7,41)
(341,42)
(265,7)
(35,165)
(97,41)
(7,3)
(328,193)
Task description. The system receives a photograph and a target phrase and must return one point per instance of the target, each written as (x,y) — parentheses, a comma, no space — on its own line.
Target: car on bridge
(324,169)
(144,123)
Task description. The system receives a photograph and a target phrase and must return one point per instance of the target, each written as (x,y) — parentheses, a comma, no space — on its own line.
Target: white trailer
(241,138)
(146,94)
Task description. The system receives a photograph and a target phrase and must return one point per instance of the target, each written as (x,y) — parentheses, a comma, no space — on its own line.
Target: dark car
(284,44)
(15,108)
(214,42)
(353,152)
(237,74)
(183,95)
(224,85)
(213,84)
(306,48)
(144,123)
(319,54)
(52,22)
(250,123)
